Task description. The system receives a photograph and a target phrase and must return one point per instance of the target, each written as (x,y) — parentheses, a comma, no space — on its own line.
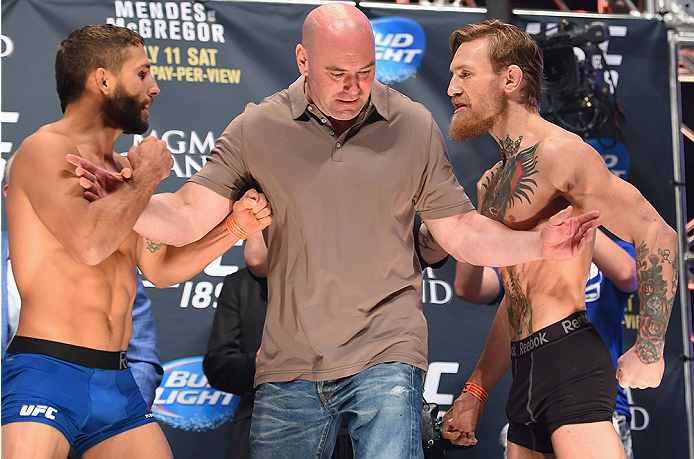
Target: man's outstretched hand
(564,237)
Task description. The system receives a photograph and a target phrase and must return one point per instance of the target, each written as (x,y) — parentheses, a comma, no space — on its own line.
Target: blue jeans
(622,426)
(300,419)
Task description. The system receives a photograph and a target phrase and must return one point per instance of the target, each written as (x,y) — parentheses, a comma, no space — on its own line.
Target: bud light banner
(400,46)
(186,401)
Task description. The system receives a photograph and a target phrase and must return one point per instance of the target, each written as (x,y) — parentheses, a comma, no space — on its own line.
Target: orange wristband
(476,391)
(235,229)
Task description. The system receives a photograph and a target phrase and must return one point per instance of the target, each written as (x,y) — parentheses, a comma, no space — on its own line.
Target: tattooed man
(65,378)
(563,391)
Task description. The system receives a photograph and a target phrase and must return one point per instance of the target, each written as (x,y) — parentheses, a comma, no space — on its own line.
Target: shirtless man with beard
(65,377)
(560,403)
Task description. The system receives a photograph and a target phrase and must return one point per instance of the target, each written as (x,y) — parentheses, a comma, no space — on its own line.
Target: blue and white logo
(400,45)
(186,401)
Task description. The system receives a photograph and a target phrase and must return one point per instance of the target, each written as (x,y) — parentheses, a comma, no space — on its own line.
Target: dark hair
(89,48)
(508,45)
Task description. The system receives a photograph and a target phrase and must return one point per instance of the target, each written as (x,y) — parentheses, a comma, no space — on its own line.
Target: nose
(153,89)
(351,85)
(454,88)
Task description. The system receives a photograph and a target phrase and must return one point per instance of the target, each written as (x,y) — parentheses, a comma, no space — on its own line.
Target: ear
(513,77)
(103,80)
(302,59)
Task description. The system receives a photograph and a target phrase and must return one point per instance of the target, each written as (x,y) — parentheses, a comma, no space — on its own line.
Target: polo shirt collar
(298,101)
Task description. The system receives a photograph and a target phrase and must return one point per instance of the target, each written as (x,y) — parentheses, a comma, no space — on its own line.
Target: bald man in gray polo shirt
(345,162)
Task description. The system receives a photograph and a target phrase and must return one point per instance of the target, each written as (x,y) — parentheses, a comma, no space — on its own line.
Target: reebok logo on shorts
(557,330)
(35,410)
(533,342)
(570,325)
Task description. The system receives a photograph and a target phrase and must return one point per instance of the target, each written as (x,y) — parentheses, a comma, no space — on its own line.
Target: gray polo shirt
(344,292)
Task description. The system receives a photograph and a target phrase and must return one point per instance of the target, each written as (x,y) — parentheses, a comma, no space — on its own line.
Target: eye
(142,75)
(337,75)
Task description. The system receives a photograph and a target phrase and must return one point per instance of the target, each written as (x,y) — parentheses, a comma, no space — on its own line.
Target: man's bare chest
(516,193)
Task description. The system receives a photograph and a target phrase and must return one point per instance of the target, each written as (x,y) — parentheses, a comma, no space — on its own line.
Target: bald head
(337,57)
(337,21)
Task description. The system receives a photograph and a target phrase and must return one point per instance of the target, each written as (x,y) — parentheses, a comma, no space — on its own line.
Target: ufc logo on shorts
(35,410)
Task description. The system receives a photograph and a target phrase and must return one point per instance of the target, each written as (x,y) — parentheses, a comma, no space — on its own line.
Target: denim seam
(324,438)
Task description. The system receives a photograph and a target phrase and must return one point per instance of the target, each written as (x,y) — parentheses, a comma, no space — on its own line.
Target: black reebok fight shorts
(562,374)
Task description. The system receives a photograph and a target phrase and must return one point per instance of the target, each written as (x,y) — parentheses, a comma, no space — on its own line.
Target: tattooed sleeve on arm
(655,301)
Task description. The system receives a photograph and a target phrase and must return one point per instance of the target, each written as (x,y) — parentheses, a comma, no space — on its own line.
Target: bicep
(184,216)
(206,207)
(623,209)
(447,231)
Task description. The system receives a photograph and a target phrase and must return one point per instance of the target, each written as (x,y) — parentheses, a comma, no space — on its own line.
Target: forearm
(166,220)
(656,271)
(478,240)
(168,265)
(617,264)
(476,284)
(496,357)
(109,221)
(184,216)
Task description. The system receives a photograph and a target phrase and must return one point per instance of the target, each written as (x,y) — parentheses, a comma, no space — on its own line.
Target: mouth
(459,108)
(458,105)
(145,108)
(348,101)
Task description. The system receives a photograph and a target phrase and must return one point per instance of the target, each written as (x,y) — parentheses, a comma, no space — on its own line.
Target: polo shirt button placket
(337,152)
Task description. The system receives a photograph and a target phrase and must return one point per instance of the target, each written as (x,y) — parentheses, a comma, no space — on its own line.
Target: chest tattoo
(512,181)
